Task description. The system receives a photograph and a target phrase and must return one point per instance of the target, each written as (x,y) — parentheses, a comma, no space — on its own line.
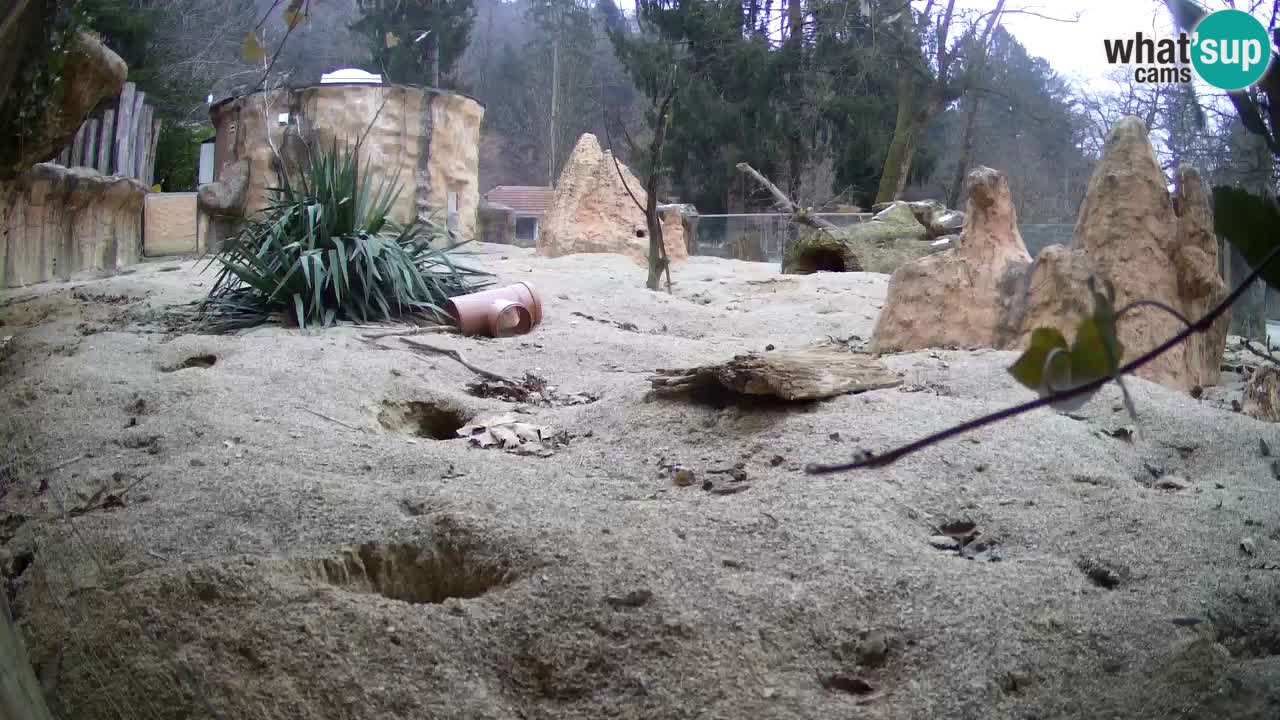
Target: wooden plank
(106,142)
(20,695)
(119,163)
(64,157)
(91,142)
(156,128)
(77,148)
(142,135)
(135,142)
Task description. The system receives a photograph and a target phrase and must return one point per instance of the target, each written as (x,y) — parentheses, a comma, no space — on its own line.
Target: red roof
(524,199)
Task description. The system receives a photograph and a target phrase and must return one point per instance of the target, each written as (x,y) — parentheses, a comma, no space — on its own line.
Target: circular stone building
(423,139)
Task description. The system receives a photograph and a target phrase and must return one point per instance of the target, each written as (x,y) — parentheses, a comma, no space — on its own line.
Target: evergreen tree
(415,41)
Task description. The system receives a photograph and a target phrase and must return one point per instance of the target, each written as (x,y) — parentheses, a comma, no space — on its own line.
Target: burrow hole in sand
(204,362)
(416,574)
(422,418)
(820,261)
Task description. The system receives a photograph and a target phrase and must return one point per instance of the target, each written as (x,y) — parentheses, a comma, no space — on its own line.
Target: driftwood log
(810,373)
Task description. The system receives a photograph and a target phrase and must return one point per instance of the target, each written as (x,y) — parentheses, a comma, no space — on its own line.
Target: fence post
(106,142)
(124,115)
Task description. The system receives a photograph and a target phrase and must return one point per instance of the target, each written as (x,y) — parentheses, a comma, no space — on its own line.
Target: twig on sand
(55,468)
(425,330)
(458,357)
(322,416)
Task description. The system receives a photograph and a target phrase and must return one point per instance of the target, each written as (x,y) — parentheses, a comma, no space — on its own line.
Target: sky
(1074,49)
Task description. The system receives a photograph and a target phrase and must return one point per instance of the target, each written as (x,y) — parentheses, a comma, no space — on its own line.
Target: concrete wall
(56,222)
(427,141)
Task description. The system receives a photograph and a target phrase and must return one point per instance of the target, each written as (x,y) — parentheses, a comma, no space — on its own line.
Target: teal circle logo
(1232,49)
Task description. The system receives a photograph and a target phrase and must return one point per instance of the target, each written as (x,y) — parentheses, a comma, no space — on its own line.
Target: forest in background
(817,94)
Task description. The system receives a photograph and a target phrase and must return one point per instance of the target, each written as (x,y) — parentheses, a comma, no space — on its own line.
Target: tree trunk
(657,250)
(435,61)
(966,152)
(555,92)
(902,148)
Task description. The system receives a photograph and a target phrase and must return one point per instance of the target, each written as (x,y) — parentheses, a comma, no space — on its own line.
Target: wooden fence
(119,138)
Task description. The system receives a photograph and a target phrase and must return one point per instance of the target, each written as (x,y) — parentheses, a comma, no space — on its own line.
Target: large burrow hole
(422,418)
(203,361)
(820,260)
(418,574)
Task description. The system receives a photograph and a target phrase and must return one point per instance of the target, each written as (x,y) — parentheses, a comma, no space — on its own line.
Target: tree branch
(1202,325)
(785,202)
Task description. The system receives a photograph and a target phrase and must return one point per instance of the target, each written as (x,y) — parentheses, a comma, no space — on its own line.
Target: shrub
(324,250)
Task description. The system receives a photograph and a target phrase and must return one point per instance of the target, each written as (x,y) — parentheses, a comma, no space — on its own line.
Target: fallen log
(810,373)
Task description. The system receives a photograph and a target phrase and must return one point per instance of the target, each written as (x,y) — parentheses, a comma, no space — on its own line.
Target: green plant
(178,155)
(325,250)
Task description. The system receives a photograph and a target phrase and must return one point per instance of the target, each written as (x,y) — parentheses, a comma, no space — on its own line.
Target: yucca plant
(324,250)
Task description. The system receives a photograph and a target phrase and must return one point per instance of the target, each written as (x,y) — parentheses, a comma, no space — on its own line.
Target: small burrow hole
(416,574)
(195,361)
(422,419)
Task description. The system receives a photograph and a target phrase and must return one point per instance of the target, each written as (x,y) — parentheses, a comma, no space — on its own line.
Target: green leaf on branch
(1248,222)
(1030,369)
(1050,366)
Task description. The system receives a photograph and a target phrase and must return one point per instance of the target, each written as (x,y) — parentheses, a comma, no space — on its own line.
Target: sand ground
(283,538)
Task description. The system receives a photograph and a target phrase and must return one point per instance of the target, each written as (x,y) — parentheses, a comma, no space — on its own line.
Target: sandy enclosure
(262,525)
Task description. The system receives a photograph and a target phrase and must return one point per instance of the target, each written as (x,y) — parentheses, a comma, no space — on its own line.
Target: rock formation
(223,202)
(61,221)
(593,213)
(959,297)
(423,139)
(1128,232)
(91,73)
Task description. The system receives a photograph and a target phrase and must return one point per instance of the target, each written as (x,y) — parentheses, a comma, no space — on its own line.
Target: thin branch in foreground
(868,460)
(454,354)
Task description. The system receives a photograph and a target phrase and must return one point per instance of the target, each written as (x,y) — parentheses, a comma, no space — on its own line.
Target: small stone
(834,436)
(768,693)
(683,476)
(1171,482)
(1264,448)
(777,460)
(1248,547)
(197,462)
(873,649)
(635,598)
(943,542)
(1015,681)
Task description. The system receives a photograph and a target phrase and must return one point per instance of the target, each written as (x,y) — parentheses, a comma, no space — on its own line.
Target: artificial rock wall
(595,210)
(1150,244)
(57,222)
(425,140)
